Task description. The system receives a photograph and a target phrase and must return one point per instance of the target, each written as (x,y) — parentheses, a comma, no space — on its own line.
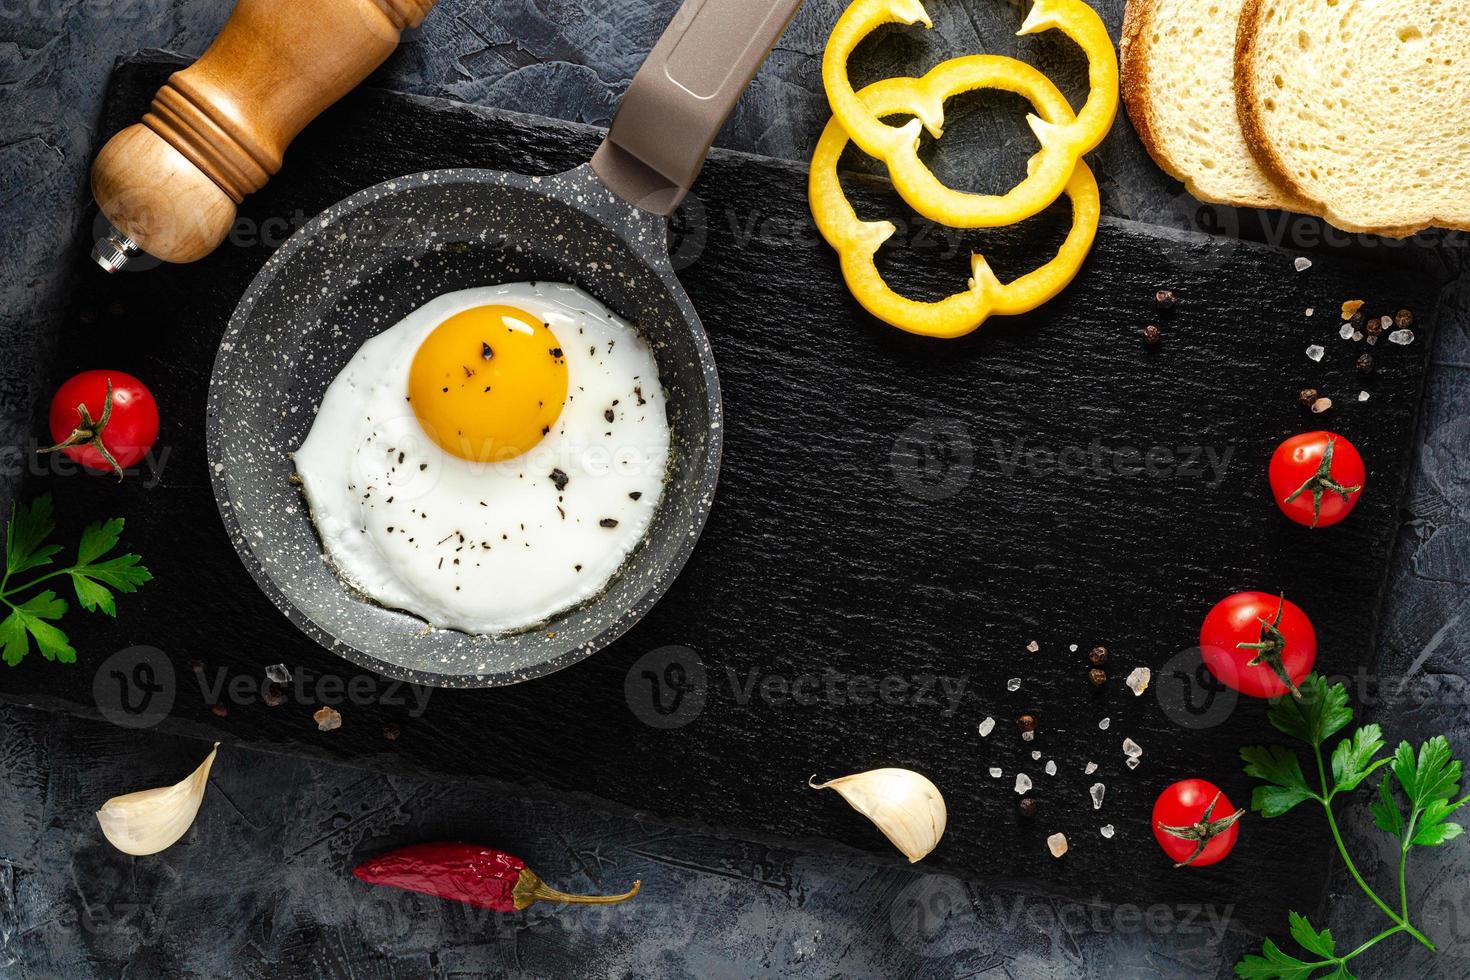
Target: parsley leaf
(94,577)
(1320,712)
(29,619)
(1427,780)
(1279,766)
(25,534)
(1386,812)
(1273,965)
(1352,760)
(1309,939)
(90,577)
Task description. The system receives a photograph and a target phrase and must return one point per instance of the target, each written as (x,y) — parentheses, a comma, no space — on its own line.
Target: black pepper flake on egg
(635,495)
(560,479)
(557,352)
(577,568)
(608,414)
(608,522)
(486,352)
(638,394)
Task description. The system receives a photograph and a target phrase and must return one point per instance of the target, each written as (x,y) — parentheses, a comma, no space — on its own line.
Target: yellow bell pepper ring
(857,242)
(1062,143)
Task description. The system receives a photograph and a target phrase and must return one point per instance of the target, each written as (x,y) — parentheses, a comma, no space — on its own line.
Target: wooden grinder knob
(217,130)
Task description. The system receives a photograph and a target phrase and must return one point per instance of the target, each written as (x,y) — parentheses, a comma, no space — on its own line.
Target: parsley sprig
(1415,799)
(93,576)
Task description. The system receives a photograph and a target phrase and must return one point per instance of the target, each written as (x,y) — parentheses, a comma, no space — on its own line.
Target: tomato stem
(1271,648)
(1203,830)
(89,433)
(1321,483)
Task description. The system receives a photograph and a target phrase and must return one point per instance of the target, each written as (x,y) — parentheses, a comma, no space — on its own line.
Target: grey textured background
(259,887)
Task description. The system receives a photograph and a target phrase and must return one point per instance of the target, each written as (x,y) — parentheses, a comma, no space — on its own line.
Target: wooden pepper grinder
(218,129)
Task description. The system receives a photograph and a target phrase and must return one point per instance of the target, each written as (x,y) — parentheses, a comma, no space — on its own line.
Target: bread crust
(1135,50)
(1247,102)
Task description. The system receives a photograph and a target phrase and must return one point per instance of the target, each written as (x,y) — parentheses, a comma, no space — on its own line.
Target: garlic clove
(904,805)
(150,820)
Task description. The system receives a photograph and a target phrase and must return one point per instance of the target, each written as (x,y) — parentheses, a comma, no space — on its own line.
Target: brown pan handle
(679,99)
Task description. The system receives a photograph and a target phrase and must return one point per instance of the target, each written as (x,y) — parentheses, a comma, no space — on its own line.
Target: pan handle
(679,99)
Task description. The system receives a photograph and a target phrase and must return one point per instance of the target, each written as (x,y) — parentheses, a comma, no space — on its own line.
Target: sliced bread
(1361,107)
(1178,64)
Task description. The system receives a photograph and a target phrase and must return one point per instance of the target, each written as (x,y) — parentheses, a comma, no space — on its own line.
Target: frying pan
(373,258)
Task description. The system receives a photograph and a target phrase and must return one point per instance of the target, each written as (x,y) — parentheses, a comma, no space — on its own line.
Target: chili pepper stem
(529,888)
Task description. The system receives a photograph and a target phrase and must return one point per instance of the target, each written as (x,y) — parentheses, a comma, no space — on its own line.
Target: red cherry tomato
(1195,823)
(1251,639)
(105,420)
(1317,478)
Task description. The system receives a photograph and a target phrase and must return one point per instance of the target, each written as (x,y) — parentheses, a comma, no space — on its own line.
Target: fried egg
(490,460)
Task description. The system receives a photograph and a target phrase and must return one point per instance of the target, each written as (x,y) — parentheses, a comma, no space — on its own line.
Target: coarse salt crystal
(1311,310)
(1027,736)
(1138,680)
(1321,405)
(1096,791)
(1036,754)
(1014,684)
(1033,646)
(1401,337)
(1023,782)
(1315,352)
(1106,830)
(1051,767)
(278,674)
(1346,333)
(1303,264)
(1131,748)
(995,772)
(1057,844)
(1073,648)
(986,727)
(1362,396)
(1090,768)
(1132,762)
(1105,723)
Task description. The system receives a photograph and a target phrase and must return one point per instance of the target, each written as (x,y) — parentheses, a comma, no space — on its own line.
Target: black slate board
(875,520)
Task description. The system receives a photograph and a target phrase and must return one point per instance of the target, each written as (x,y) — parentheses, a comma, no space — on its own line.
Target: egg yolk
(488,383)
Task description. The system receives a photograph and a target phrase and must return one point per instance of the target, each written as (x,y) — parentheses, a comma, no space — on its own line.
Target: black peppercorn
(1403,319)
(1026,723)
(1098,656)
(1165,299)
(1365,364)
(1151,334)
(391,732)
(1374,327)
(1098,676)
(1307,397)
(219,710)
(1027,806)
(273,697)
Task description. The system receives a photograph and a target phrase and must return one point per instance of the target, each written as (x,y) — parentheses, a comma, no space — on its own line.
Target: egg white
(489,548)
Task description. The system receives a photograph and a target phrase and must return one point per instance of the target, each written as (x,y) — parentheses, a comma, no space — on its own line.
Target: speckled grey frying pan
(368,261)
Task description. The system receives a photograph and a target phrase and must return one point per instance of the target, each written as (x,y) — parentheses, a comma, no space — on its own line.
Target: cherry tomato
(1259,644)
(1195,823)
(105,420)
(1317,478)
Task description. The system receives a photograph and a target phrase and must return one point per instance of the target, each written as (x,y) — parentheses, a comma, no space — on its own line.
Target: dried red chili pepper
(479,876)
